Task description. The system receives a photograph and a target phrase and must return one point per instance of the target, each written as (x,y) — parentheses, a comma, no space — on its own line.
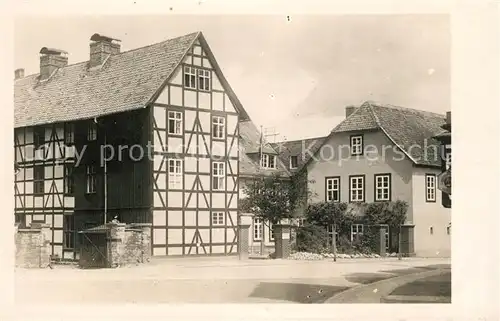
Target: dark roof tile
(125,82)
(303,149)
(250,144)
(404,126)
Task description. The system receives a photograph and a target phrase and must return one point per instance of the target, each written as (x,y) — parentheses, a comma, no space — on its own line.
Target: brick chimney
(18,73)
(448,118)
(349,110)
(51,60)
(101,47)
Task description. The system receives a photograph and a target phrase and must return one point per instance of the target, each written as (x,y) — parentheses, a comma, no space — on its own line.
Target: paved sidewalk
(206,280)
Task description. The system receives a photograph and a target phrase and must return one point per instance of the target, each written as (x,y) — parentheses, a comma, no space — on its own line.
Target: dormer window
(268,161)
(294,162)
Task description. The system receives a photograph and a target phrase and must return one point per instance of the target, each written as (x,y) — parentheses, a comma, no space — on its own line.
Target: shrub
(344,245)
(390,213)
(368,241)
(311,238)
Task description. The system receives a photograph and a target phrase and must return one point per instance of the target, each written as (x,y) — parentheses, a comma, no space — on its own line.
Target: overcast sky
(296,74)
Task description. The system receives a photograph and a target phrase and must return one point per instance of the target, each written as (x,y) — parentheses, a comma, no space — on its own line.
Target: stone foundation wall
(32,246)
(137,244)
(128,244)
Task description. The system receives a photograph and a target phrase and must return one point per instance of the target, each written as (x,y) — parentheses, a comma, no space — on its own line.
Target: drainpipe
(105,184)
(105,177)
(399,242)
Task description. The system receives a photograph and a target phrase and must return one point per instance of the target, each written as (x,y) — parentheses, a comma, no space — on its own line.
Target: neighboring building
(172,95)
(252,150)
(296,153)
(445,177)
(350,166)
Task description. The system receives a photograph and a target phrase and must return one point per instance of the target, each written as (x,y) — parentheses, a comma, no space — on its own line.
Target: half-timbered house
(258,159)
(149,135)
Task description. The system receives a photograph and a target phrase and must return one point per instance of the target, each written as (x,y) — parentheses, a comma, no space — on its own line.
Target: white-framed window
(218,218)
(190,77)
(448,157)
(92,131)
(174,122)
(356,231)
(174,173)
(382,187)
(332,189)
(218,175)
(430,187)
(204,79)
(91,179)
(268,161)
(294,162)
(257,229)
(357,145)
(356,188)
(218,127)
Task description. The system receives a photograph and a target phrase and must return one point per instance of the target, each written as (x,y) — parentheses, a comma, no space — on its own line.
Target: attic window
(204,80)
(268,161)
(190,77)
(294,162)
(357,145)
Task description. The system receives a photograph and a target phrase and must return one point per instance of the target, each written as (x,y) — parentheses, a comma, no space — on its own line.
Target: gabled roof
(249,144)
(405,127)
(303,149)
(127,81)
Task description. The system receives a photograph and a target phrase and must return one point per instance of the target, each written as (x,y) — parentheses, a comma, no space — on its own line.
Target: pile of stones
(314,256)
